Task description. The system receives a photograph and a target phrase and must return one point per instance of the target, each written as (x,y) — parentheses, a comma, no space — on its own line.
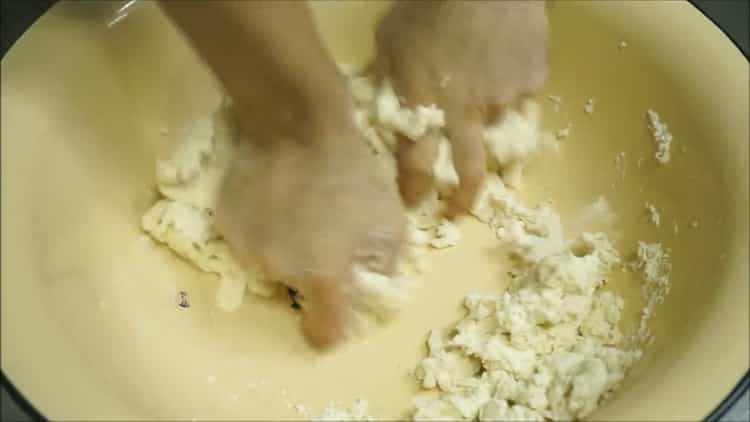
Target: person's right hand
(306,210)
(304,198)
(469,58)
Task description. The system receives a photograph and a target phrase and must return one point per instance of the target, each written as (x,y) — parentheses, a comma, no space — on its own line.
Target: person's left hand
(470,58)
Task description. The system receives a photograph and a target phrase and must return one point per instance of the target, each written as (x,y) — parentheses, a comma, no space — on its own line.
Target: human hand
(306,210)
(470,59)
(304,198)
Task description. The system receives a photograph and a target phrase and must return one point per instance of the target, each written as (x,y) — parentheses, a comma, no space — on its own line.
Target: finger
(325,320)
(468,159)
(415,160)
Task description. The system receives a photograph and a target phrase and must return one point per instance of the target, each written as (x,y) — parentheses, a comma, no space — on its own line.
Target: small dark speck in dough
(182,299)
(293,296)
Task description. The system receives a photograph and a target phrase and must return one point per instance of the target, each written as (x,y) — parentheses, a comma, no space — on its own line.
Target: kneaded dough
(183,219)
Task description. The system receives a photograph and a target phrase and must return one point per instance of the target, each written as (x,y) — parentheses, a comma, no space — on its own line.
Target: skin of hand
(470,58)
(318,206)
(304,199)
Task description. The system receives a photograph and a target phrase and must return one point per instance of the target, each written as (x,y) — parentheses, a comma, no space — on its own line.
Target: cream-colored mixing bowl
(93,93)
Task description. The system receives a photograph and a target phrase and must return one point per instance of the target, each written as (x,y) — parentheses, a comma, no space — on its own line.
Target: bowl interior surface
(90,326)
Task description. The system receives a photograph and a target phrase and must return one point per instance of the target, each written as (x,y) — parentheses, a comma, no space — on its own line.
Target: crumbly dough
(550,346)
(183,220)
(563,133)
(547,348)
(511,140)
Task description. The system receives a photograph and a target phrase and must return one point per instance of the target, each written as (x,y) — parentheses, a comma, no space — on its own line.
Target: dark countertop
(730,15)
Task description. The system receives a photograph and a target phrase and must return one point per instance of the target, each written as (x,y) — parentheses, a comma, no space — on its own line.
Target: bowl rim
(743,385)
(732,397)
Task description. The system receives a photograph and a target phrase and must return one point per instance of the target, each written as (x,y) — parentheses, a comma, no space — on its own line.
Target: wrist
(301,112)
(327,109)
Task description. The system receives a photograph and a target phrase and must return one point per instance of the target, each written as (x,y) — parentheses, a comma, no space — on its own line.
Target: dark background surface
(730,15)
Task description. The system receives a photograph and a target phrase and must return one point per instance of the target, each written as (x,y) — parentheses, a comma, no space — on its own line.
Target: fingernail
(321,336)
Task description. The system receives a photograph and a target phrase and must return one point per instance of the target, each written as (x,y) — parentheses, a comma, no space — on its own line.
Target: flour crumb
(655,266)
(302,410)
(563,133)
(695,224)
(447,235)
(414,124)
(513,139)
(444,81)
(620,164)
(589,106)
(661,135)
(622,45)
(675,227)
(653,214)
(556,102)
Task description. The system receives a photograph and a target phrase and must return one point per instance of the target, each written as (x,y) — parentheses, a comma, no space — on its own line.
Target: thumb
(327,316)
